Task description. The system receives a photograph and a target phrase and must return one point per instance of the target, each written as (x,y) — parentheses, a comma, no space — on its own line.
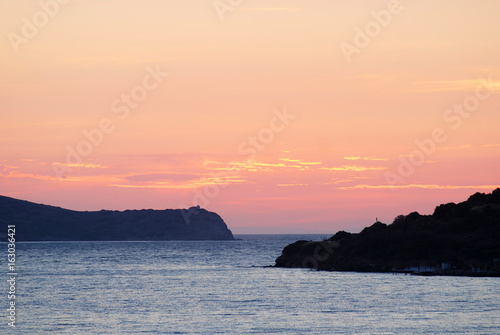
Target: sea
(226,287)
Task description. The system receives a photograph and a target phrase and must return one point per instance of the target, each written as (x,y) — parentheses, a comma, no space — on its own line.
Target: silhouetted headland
(36,222)
(457,239)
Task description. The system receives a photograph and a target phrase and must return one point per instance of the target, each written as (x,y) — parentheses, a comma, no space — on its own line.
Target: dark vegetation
(461,238)
(35,222)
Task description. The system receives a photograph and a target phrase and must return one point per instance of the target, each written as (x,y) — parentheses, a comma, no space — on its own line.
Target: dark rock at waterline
(457,239)
(36,222)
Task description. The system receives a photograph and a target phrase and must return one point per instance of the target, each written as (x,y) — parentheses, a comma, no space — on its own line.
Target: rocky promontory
(457,239)
(36,222)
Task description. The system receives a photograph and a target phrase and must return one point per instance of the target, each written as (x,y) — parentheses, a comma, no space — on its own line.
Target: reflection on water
(205,287)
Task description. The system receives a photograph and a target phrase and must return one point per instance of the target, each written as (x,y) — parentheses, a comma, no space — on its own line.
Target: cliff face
(35,222)
(455,239)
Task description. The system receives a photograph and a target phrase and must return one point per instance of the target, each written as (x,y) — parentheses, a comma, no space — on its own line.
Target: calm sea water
(224,288)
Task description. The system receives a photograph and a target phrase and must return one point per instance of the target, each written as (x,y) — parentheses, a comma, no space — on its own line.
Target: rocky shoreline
(37,222)
(457,240)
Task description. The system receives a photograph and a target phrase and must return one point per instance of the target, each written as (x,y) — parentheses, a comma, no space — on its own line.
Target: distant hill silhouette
(457,239)
(36,222)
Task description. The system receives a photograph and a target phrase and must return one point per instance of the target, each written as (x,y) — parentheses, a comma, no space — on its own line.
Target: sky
(283,116)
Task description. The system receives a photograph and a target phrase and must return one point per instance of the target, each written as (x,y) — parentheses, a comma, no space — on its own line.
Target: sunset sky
(283,116)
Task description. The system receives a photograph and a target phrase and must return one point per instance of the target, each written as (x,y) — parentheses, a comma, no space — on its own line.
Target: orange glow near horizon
(256,113)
